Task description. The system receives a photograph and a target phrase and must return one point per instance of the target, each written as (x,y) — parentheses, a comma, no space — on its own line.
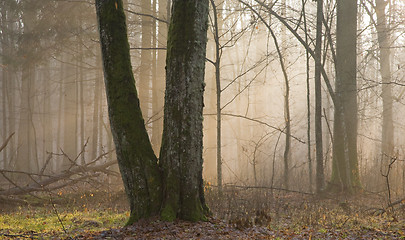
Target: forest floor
(238,213)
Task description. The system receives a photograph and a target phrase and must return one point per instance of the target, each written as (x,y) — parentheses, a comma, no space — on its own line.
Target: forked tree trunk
(178,190)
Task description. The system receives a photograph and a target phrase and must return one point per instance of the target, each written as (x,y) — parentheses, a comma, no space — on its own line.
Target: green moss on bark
(181,152)
(137,162)
(179,193)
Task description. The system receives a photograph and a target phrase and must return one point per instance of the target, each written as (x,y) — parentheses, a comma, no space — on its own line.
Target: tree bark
(176,190)
(136,159)
(181,152)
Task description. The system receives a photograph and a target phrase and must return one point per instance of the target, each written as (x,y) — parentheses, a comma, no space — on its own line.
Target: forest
(208,119)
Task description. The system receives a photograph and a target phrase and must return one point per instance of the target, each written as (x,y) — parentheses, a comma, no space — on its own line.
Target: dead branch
(54,182)
(6,142)
(265,187)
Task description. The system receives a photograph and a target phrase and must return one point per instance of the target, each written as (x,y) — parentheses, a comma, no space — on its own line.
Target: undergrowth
(70,214)
(65,214)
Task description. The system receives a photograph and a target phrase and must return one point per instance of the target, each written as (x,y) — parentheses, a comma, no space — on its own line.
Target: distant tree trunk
(159,82)
(25,135)
(154,73)
(345,172)
(385,70)
(217,65)
(59,128)
(146,59)
(69,113)
(96,107)
(287,149)
(27,158)
(47,113)
(4,73)
(81,94)
(181,152)
(101,123)
(308,100)
(4,113)
(318,100)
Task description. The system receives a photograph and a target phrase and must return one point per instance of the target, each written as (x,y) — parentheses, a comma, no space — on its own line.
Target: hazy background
(53,98)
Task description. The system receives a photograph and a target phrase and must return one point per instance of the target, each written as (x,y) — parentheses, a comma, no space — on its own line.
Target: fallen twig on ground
(72,175)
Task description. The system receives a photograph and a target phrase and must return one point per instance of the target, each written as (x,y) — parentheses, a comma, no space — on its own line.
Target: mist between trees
(262,104)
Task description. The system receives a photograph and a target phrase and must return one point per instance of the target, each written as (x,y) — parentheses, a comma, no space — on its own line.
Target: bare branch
(6,142)
(258,121)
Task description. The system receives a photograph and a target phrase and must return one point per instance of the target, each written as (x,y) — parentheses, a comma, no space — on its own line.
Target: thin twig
(6,142)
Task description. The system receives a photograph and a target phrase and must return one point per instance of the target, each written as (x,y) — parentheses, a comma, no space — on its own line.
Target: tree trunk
(69,113)
(217,65)
(136,159)
(287,119)
(181,152)
(308,101)
(4,73)
(146,58)
(79,77)
(96,107)
(345,171)
(159,82)
(47,110)
(385,70)
(180,193)
(318,100)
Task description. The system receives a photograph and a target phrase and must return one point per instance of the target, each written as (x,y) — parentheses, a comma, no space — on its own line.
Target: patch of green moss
(168,213)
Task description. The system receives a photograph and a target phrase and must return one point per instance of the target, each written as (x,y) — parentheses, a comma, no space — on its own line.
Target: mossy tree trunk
(345,173)
(181,151)
(136,159)
(175,188)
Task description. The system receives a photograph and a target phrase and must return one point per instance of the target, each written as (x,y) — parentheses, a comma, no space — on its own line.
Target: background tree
(345,172)
(383,33)
(318,98)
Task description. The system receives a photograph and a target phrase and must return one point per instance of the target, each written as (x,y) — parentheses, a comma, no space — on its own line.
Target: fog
(53,98)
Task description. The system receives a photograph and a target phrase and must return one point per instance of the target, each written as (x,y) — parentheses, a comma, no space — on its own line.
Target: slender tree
(159,81)
(217,66)
(318,99)
(146,58)
(287,118)
(383,33)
